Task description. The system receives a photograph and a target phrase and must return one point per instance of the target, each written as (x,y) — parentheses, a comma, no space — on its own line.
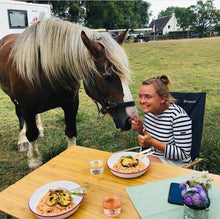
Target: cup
(112,205)
(96,166)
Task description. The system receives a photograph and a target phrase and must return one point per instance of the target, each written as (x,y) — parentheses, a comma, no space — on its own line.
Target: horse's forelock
(56,48)
(116,55)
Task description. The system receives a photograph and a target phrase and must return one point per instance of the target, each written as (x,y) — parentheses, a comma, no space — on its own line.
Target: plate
(39,193)
(111,161)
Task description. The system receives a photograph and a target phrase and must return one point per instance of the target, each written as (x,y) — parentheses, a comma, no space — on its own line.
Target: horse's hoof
(34,163)
(23,146)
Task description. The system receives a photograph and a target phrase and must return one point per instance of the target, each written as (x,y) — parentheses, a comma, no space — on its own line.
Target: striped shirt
(174,128)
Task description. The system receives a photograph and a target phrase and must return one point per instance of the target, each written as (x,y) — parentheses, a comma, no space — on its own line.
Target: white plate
(111,161)
(39,193)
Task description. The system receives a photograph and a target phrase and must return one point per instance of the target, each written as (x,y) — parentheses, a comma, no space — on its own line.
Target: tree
(206,15)
(140,14)
(101,13)
(116,14)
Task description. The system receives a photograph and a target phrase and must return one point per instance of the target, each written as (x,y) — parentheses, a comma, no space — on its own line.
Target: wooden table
(73,165)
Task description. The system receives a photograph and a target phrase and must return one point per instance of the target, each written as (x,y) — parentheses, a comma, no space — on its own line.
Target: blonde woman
(166,127)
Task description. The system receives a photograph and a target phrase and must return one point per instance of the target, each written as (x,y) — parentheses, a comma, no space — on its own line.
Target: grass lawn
(193,66)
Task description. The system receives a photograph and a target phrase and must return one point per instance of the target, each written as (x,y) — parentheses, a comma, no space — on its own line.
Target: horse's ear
(96,49)
(122,37)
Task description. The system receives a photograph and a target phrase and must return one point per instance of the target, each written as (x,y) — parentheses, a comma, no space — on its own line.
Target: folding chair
(194,105)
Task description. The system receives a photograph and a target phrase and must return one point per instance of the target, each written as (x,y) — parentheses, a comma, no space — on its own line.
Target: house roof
(159,23)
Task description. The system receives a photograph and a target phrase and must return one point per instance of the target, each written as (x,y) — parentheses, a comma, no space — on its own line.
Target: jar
(190,213)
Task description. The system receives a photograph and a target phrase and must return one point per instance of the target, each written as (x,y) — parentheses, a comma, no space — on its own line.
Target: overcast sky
(159,5)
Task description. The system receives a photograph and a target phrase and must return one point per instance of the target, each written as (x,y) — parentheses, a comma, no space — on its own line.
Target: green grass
(192,64)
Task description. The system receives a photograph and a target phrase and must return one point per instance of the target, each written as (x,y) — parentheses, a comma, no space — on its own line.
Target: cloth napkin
(151,200)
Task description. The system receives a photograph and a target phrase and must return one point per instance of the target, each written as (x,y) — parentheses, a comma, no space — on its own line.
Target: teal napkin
(150,200)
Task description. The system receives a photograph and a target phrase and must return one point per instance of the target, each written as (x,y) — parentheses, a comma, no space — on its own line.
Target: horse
(43,67)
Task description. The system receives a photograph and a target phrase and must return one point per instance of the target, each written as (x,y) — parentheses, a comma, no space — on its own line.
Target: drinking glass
(112,205)
(96,166)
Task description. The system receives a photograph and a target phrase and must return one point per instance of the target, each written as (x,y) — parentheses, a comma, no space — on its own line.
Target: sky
(159,5)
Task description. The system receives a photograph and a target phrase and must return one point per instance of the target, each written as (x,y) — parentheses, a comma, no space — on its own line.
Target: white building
(15,16)
(165,25)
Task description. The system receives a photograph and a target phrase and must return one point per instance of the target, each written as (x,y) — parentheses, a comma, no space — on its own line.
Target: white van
(15,16)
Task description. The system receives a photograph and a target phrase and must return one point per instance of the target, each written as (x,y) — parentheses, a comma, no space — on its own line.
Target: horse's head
(108,83)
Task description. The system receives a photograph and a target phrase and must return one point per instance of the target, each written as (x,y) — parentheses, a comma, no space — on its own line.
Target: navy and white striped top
(174,128)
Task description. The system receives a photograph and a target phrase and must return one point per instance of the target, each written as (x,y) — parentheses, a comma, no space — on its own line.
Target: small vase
(190,213)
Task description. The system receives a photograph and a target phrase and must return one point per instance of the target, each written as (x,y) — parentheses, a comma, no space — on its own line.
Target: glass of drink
(112,205)
(96,166)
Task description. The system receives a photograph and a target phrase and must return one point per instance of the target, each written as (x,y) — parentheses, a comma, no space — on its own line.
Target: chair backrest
(194,105)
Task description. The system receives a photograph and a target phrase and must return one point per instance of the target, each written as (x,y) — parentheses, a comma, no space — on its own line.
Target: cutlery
(76,191)
(143,153)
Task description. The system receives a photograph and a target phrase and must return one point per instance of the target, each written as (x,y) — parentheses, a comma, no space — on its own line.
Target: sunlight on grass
(192,64)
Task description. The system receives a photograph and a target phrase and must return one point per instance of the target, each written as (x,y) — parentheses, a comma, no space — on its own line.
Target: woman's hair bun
(165,79)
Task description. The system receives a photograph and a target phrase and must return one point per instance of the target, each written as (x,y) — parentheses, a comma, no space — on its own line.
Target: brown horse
(41,69)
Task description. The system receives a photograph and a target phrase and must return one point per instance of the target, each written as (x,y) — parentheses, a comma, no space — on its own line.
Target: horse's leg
(39,125)
(70,111)
(32,133)
(23,143)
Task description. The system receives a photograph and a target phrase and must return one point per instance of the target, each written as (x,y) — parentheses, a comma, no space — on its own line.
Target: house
(164,25)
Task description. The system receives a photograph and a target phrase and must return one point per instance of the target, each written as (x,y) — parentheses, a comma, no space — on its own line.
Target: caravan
(15,16)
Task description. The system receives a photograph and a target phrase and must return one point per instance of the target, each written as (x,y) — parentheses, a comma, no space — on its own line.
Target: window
(17,18)
(168,26)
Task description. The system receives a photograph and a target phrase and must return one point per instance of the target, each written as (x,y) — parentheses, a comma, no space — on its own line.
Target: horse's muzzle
(121,120)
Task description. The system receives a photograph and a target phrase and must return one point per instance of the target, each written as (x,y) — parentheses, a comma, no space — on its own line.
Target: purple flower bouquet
(195,197)
(195,192)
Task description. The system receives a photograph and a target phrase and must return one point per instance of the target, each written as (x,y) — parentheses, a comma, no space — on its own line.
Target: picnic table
(73,165)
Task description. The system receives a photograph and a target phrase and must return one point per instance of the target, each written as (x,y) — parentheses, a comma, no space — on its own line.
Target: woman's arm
(146,140)
(180,148)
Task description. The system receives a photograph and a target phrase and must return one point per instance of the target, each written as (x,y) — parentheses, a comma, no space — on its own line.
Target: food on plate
(128,164)
(129,161)
(55,201)
(65,199)
(52,198)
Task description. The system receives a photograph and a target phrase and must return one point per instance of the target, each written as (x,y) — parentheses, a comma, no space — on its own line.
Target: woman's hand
(136,124)
(145,140)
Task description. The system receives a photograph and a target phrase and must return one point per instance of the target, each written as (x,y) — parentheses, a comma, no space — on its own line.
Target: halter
(107,104)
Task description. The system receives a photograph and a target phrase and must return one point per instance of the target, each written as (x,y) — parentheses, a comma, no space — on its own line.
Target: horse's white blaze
(71,141)
(33,155)
(131,111)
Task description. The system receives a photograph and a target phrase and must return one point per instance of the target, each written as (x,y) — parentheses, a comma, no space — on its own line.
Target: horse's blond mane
(56,48)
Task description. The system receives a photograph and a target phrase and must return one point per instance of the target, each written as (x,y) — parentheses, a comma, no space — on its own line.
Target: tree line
(133,14)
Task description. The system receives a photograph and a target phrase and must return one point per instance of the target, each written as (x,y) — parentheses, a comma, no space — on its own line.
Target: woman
(166,127)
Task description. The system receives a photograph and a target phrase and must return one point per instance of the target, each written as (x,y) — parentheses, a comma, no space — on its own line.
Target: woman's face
(150,101)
